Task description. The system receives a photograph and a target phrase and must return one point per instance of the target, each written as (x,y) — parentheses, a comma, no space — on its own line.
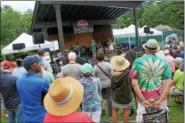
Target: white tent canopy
(126,32)
(130,32)
(155,32)
(29,46)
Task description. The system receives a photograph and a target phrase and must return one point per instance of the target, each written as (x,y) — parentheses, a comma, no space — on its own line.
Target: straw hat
(152,45)
(119,63)
(64,96)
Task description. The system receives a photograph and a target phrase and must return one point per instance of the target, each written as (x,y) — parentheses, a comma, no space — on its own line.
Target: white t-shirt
(19,71)
(47,66)
(111,47)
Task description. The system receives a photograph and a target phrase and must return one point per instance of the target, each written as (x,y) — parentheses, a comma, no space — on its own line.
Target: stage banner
(82,26)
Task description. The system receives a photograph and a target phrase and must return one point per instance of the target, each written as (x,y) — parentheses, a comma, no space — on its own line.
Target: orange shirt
(77,117)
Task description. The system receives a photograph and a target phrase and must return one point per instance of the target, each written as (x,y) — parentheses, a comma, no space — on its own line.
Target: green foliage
(154,13)
(22,55)
(13,23)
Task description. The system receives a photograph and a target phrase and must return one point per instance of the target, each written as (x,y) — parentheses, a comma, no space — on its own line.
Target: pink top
(170,60)
(76,117)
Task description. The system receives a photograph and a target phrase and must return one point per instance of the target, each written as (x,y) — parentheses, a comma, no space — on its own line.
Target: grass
(176,113)
(4,120)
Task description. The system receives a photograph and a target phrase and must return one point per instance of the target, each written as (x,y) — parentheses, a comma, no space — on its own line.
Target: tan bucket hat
(119,63)
(152,45)
(64,96)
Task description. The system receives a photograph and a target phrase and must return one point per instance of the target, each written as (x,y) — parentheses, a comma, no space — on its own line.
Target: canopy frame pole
(60,28)
(44,30)
(163,43)
(136,29)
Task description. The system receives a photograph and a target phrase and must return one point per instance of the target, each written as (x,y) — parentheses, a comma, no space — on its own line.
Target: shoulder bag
(156,116)
(159,116)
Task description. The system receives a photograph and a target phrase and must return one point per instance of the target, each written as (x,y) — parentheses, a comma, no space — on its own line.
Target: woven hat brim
(119,67)
(68,107)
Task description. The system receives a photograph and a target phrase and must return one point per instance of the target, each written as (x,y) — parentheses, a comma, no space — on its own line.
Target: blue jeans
(15,115)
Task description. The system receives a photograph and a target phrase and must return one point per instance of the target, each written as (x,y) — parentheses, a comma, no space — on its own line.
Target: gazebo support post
(60,28)
(44,30)
(136,29)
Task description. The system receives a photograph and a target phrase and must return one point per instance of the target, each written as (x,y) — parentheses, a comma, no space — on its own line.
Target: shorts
(121,106)
(175,91)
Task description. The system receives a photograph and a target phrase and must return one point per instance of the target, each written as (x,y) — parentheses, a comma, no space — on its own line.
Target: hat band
(150,48)
(67,98)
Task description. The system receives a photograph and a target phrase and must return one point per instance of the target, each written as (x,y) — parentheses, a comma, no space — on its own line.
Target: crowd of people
(83,92)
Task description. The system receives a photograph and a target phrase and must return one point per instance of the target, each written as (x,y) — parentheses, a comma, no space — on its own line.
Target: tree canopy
(171,13)
(13,23)
(154,13)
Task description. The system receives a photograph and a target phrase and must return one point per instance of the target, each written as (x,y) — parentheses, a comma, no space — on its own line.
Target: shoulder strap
(103,71)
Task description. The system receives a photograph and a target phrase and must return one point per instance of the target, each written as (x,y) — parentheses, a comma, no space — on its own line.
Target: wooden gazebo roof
(103,11)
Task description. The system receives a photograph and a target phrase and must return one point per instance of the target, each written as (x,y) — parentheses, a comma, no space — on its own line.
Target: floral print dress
(92,97)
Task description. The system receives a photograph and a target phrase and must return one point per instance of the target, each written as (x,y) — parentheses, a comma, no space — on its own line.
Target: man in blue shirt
(32,89)
(9,92)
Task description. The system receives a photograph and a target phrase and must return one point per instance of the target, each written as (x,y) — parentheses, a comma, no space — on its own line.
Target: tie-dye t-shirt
(150,71)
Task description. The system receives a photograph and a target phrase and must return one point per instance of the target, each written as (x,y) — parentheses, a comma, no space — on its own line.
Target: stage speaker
(151,32)
(146,29)
(38,37)
(18,46)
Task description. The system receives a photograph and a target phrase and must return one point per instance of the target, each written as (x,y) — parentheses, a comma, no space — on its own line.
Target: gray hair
(72,55)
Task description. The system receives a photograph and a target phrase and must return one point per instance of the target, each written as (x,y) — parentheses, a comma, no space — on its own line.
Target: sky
(20,6)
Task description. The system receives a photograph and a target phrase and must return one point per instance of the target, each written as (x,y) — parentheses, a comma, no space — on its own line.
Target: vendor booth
(127,35)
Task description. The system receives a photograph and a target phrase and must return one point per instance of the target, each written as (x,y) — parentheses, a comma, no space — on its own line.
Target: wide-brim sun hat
(151,45)
(64,96)
(119,63)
